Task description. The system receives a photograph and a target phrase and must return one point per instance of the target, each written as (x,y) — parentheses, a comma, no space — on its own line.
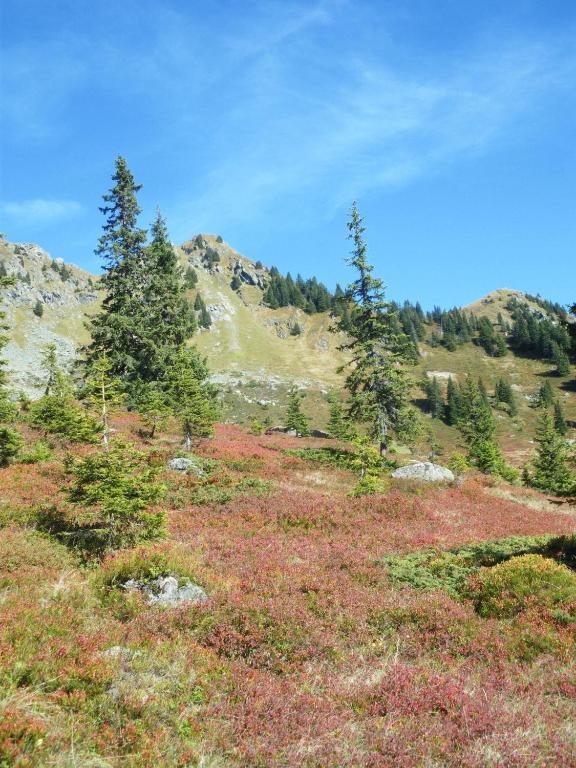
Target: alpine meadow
(264,511)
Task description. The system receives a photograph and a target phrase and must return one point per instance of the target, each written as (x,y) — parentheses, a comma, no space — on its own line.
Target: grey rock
(425,471)
(292,432)
(186,465)
(166,590)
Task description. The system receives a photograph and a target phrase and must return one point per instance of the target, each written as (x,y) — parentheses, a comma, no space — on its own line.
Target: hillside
(251,351)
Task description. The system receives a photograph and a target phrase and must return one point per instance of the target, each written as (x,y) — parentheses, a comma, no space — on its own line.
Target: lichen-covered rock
(166,590)
(181,464)
(425,471)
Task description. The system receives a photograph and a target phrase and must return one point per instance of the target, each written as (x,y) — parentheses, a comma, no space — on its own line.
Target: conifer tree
(503,393)
(453,409)
(117,330)
(550,468)
(560,424)
(103,394)
(57,413)
(167,317)
(295,418)
(378,385)
(153,407)
(545,396)
(560,360)
(435,400)
(191,397)
(10,439)
(479,430)
(338,425)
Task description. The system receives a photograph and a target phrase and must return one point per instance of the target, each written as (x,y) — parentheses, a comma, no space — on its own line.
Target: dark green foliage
(492,342)
(435,402)
(478,428)
(560,424)
(145,316)
(550,471)
(560,359)
(236,283)
(102,394)
(453,410)
(537,334)
(309,295)
(338,424)
(57,413)
(3,270)
(545,395)
(295,330)
(114,492)
(191,397)
(153,406)
(379,350)
(295,418)
(38,308)
(503,393)
(117,330)
(210,257)
(190,278)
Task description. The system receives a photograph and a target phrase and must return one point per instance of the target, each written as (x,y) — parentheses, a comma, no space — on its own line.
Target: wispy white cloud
(41,211)
(375,128)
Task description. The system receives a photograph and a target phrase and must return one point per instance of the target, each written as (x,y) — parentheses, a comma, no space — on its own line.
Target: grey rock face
(425,471)
(165,590)
(185,465)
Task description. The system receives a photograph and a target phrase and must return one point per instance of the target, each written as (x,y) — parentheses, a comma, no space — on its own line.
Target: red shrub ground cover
(304,654)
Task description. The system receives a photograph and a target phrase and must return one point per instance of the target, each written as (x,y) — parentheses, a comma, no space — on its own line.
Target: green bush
(36,453)
(10,443)
(450,570)
(61,416)
(509,587)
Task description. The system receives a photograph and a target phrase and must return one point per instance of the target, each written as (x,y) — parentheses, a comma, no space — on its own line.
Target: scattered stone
(292,433)
(425,471)
(165,590)
(181,464)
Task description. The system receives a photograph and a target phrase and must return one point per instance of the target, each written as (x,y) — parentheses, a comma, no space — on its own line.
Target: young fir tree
(118,330)
(103,394)
(338,425)
(153,407)
(295,418)
(10,439)
(550,469)
(435,402)
(545,396)
(57,412)
(478,428)
(379,350)
(560,360)
(560,424)
(503,393)
(191,397)
(453,405)
(114,491)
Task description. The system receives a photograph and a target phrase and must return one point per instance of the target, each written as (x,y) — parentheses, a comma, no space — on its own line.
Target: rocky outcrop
(424,471)
(167,591)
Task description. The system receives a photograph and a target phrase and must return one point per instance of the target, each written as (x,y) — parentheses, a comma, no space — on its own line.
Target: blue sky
(451,122)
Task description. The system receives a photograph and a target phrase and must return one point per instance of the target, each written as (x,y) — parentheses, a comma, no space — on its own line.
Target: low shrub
(508,588)
(36,453)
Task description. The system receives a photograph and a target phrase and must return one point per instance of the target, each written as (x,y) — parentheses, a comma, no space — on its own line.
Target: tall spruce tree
(338,425)
(453,403)
(479,430)
(560,423)
(117,330)
(167,316)
(379,350)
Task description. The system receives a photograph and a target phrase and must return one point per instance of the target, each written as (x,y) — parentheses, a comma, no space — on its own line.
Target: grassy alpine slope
(315,648)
